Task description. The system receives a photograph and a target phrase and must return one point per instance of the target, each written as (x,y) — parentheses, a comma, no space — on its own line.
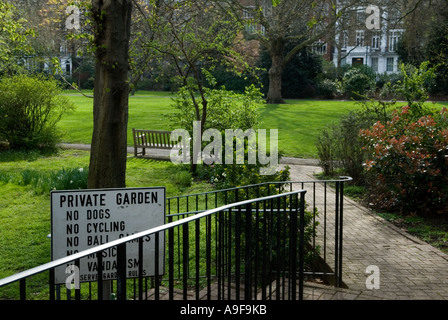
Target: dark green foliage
(298,80)
(358,82)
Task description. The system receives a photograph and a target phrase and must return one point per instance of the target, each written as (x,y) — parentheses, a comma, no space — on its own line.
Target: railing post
(185,259)
(208,255)
(121,272)
(156,266)
(23,289)
(341,218)
(99,257)
(52,285)
(301,244)
(197,254)
(336,238)
(140,269)
(294,199)
(170,261)
(77,290)
(248,255)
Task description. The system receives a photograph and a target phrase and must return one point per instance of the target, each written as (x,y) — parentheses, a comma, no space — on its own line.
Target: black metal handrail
(229,264)
(329,267)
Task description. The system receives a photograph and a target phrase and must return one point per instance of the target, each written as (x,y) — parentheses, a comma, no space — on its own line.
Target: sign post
(84,219)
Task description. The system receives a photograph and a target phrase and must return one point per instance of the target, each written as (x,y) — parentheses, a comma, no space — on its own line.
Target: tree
(299,74)
(286,21)
(13,37)
(192,36)
(426,39)
(112,25)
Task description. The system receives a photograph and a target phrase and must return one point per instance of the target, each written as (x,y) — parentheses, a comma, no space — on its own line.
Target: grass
(299,121)
(431,229)
(146,110)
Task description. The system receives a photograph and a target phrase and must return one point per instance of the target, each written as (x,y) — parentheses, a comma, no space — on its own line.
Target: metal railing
(325,208)
(250,249)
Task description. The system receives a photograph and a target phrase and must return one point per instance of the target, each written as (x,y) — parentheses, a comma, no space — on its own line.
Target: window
(394,37)
(320,48)
(361,16)
(376,40)
(375,64)
(251,28)
(344,39)
(360,38)
(390,65)
(248,13)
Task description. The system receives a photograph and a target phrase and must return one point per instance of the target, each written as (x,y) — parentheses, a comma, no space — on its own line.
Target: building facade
(358,43)
(354,41)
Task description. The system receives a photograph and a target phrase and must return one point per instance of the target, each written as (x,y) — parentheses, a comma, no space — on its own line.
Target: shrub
(225,109)
(329,89)
(358,82)
(339,146)
(415,86)
(30,107)
(326,152)
(225,176)
(407,161)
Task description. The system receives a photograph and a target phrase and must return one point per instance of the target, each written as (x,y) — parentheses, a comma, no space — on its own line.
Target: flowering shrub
(407,160)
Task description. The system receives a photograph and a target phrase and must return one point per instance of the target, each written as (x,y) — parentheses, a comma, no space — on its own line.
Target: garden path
(409,269)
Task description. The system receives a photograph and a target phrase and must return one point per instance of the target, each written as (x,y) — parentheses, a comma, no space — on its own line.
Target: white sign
(87,218)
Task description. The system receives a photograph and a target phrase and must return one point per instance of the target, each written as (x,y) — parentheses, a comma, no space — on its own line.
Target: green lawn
(146,111)
(299,122)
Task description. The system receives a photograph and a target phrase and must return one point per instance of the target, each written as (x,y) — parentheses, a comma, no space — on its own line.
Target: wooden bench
(151,139)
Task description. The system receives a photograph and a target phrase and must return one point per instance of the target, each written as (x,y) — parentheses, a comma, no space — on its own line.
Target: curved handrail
(95,250)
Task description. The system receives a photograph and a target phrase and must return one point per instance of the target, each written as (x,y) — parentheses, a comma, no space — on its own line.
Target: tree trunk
(111,94)
(275,74)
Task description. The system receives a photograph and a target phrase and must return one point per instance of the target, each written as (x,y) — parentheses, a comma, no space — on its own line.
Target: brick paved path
(408,267)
